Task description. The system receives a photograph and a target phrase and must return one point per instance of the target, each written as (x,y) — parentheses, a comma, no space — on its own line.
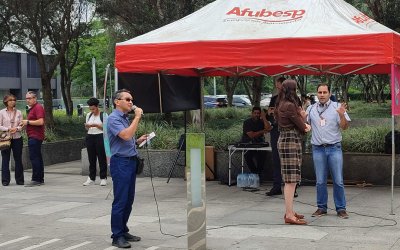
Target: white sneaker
(88,182)
(103,182)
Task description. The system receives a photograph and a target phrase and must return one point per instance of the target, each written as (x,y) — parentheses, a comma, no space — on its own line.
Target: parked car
(240,101)
(215,102)
(265,101)
(237,100)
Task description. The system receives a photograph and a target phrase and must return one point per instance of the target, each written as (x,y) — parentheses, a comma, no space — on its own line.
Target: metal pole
(215,86)
(159,92)
(115,79)
(105,89)
(94,76)
(111,89)
(393,165)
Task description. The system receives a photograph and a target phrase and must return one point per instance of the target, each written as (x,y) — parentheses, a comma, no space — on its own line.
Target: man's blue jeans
(329,158)
(123,173)
(35,155)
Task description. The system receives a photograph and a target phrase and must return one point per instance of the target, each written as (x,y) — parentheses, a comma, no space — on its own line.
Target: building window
(9,64)
(33,67)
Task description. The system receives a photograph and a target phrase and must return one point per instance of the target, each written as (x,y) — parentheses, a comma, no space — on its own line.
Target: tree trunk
(48,100)
(256,90)
(345,88)
(230,89)
(69,97)
(302,84)
(64,86)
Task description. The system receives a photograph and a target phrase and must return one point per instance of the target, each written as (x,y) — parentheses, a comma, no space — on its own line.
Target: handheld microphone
(134,107)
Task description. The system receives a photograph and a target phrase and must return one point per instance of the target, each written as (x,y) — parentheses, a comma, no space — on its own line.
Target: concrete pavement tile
(49,207)
(79,223)
(372,247)
(289,231)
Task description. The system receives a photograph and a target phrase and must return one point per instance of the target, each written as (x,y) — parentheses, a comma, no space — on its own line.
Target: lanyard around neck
(321,112)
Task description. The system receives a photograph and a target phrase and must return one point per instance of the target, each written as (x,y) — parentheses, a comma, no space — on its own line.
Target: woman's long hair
(288,93)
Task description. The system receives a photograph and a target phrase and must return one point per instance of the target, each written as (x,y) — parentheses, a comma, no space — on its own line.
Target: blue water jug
(242,180)
(254,181)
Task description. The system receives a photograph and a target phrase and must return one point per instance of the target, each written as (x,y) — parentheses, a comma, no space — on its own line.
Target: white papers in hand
(151,136)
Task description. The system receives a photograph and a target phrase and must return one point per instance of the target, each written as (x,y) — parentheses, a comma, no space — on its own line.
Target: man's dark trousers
(255,161)
(123,173)
(35,155)
(276,161)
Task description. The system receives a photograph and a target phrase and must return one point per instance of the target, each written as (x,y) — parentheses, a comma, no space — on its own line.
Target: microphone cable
(155,196)
(394,222)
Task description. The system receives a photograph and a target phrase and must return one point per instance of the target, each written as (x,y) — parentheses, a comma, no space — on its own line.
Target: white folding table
(232,149)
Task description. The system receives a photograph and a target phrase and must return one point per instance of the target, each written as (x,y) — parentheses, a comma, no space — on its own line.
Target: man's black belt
(326,145)
(128,157)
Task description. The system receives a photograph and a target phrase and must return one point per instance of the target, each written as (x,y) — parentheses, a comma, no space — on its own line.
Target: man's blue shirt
(329,133)
(117,122)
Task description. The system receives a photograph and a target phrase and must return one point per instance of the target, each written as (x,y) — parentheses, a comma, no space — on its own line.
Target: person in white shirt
(95,143)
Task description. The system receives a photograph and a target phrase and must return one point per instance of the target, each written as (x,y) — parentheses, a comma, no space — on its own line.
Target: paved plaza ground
(63,214)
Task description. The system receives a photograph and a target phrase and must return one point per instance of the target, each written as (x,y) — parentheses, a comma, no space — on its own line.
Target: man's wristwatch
(27,122)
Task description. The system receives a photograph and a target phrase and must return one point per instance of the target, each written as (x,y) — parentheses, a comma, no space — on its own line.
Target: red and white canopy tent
(268,37)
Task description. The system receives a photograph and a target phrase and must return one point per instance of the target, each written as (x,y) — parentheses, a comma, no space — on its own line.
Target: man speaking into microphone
(122,139)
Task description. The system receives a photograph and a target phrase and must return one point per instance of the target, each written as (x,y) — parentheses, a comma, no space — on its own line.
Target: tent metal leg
(393,165)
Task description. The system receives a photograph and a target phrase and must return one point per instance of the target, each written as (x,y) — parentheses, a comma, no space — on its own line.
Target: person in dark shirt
(254,129)
(35,127)
(277,176)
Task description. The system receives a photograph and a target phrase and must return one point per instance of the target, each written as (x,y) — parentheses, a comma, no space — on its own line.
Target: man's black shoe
(274,191)
(121,242)
(5,183)
(130,237)
(33,184)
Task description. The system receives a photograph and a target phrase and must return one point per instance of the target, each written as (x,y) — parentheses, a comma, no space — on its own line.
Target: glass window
(9,64)
(33,67)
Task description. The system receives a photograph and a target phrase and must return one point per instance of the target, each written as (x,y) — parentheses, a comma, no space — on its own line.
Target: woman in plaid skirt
(291,121)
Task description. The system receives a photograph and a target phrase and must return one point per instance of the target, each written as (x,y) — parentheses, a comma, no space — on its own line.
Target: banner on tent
(395,79)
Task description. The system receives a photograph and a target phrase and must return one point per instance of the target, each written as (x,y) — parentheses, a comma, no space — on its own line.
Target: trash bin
(80,110)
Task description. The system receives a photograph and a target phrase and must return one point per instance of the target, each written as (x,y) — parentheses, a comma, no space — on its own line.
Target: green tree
(96,44)
(3,30)
(42,28)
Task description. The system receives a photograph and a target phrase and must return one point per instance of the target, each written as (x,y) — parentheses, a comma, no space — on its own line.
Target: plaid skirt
(290,153)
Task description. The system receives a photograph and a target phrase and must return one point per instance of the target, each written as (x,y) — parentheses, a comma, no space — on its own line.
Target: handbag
(5,140)
(139,165)
(5,136)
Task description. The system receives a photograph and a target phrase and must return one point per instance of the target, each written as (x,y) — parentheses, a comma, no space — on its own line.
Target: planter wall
(371,168)
(161,162)
(54,152)
(358,167)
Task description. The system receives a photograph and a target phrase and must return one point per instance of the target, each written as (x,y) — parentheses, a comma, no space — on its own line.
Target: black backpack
(388,142)
(101,116)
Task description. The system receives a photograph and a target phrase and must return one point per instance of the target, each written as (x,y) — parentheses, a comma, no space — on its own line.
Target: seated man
(254,129)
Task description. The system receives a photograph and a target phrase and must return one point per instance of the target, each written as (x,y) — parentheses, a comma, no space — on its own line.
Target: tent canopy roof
(247,37)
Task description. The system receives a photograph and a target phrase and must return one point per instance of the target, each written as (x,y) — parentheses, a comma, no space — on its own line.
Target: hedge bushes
(224,127)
